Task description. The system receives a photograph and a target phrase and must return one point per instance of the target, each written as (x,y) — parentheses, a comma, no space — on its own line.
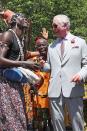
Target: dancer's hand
(31,65)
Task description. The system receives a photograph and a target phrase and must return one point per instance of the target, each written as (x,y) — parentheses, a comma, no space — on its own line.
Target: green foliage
(41,13)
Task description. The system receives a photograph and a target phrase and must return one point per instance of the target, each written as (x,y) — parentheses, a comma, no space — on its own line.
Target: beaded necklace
(21,53)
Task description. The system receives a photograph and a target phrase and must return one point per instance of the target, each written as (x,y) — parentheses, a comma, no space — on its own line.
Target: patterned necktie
(62,48)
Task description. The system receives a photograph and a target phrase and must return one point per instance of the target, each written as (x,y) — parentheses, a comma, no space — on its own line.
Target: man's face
(41,45)
(23,25)
(59,29)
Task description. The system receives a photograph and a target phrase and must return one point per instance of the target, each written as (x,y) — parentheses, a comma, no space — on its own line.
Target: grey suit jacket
(74,61)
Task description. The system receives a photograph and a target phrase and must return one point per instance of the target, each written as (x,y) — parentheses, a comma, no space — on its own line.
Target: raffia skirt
(12,108)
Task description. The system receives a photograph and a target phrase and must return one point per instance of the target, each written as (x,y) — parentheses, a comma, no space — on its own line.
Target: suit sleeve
(83,71)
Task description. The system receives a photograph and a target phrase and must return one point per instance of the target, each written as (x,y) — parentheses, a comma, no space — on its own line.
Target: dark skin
(6,39)
(31,54)
(41,46)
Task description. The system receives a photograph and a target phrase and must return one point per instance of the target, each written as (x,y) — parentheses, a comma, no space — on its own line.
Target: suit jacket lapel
(67,50)
(57,50)
(68,47)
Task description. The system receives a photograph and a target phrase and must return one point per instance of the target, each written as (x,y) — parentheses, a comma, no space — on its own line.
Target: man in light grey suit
(67,61)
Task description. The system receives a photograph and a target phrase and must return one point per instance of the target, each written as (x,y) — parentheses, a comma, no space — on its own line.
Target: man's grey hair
(62,19)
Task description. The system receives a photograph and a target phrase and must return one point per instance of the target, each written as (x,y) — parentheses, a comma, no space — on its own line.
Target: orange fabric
(28,102)
(41,100)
